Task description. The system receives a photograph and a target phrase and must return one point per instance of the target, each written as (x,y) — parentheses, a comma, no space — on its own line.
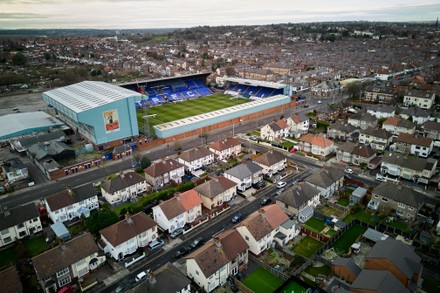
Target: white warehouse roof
(254,82)
(87,95)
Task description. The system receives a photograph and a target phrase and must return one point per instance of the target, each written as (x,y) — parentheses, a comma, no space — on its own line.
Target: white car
(349,171)
(319,102)
(281,184)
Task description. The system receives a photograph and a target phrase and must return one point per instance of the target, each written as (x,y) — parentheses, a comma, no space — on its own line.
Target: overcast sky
(123,14)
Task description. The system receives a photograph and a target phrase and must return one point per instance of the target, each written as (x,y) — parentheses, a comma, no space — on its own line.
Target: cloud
(5,15)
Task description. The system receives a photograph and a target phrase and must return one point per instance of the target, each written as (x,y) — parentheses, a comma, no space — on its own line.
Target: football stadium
(183,104)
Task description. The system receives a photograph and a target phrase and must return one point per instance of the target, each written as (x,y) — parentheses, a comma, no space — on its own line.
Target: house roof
(299,117)
(378,132)
(18,215)
(342,127)
(363,151)
(180,204)
(349,264)
(244,170)
(42,150)
(431,125)
(10,281)
(190,199)
(224,144)
(400,193)
(361,116)
(219,251)
(400,122)
(419,94)
(381,109)
(409,162)
(269,158)
(195,154)
(400,254)
(122,181)
(70,196)
(414,140)
(42,137)
(298,196)
(346,147)
(167,279)
(415,112)
(58,258)
(215,186)
(162,167)
(128,228)
(317,140)
(325,177)
(378,281)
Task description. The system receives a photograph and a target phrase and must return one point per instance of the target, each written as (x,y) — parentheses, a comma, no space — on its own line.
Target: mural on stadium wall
(111,121)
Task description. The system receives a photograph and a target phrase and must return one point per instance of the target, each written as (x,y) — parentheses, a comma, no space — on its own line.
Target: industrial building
(104,114)
(21,124)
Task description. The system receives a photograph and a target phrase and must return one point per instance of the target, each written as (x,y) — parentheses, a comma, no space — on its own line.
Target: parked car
(349,171)
(197,242)
(279,191)
(281,184)
(176,233)
(66,289)
(140,276)
(156,244)
(259,185)
(237,217)
(182,251)
(265,201)
(136,164)
(319,102)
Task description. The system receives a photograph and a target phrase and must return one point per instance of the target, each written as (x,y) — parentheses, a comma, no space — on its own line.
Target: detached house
(123,187)
(212,264)
(71,260)
(399,259)
(126,236)
(260,228)
(327,181)
(275,130)
(299,201)
(316,144)
(18,223)
(405,201)
(175,213)
(414,145)
(272,162)
(298,124)
(245,175)
(216,192)
(196,158)
(410,168)
(72,203)
(397,125)
(225,148)
(378,139)
(421,99)
(164,172)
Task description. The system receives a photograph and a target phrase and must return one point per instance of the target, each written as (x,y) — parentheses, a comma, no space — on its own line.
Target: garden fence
(269,268)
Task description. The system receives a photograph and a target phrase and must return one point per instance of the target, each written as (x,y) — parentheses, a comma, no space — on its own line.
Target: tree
(19,59)
(101,219)
(230,71)
(145,162)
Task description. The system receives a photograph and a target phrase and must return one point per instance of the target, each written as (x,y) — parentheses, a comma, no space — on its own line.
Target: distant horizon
(231,25)
(178,14)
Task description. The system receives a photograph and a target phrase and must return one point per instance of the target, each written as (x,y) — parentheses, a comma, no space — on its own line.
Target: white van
(140,276)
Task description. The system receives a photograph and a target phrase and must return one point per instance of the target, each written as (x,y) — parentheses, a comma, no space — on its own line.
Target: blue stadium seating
(190,94)
(199,83)
(204,91)
(265,92)
(191,84)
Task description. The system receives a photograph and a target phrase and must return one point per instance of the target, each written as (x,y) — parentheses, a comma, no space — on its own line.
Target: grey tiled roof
(400,193)
(325,177)
(18,215)
(244,170)
(349,264)
(378,281)
(297,196)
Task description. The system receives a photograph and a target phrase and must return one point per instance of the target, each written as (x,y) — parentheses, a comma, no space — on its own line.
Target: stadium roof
(165,79)
(253,82)
(26,123)
(198,118)
(87,95)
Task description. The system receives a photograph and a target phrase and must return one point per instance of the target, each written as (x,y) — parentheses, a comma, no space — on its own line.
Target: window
(62,272)
(64,281)
(197,273)
(7,239)
(21,225)
(401,205)
(5,231)
(384,199)
(246,238)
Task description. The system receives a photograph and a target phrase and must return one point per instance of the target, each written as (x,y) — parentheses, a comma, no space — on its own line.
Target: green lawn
(315,224)
(307,247)
(35,245)
(364,216)
(293,287)
(8,256)
(330,232)
(344,201)
(175,111)
(399,225)
(348,238)
(261,281)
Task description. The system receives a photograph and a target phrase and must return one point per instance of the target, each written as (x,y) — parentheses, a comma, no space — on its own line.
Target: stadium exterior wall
(197,124)
(105,126)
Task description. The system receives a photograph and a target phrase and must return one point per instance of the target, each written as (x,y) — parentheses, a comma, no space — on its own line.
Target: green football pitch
(174,111)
